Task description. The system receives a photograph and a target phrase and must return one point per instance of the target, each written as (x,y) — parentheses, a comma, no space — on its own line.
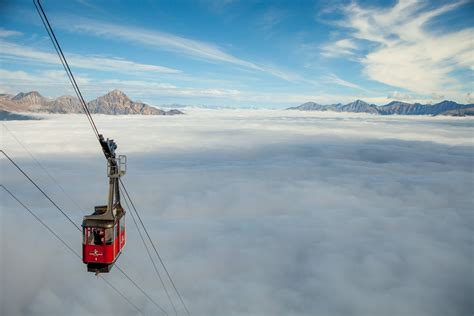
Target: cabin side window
(109,236)
(122,225)
(85,233)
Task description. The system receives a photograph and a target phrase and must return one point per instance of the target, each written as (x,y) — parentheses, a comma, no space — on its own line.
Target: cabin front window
(96,236)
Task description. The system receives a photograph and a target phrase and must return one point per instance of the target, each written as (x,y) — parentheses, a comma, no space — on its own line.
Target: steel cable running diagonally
(60,53)
(42,167)
(79,207)
(65,64)
(154,247)
(75,225)
(148,252)
(41,190)
(68,246)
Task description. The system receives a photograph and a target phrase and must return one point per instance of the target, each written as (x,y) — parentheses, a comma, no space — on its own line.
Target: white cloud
(397,95)
(160,40)
(469,98)
(343,47)
(21,80)
(254,212)
(25,53)
(8,33)
(151,88)
(437,96)
(335,79)
(271,18)
(170,42)
(15,81)
(408,55)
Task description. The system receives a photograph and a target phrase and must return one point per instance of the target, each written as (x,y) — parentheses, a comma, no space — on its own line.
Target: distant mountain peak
(31,94)
(117,93)
(33,98)
(394,103)
(394,107)
(114,102)
(359,102)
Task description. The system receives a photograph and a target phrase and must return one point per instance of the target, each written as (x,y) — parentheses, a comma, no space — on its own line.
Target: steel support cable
(67,246)
(63,60)
(149,254)
(41,190)
(65,64)
(75,87)
(42,167)
(120,293)
(120,269)
(81,102)
(141,289)
(59,51)
(154,247)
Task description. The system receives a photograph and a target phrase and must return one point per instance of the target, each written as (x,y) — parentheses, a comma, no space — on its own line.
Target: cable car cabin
(103,238)
(104,230)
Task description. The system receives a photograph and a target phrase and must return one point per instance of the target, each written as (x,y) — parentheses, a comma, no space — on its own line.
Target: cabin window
(122,225)
(109,236)
(96,236)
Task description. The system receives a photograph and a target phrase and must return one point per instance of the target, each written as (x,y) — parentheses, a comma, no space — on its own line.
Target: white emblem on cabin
(96,253)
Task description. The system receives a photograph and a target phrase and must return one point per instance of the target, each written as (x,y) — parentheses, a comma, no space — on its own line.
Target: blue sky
(244,53)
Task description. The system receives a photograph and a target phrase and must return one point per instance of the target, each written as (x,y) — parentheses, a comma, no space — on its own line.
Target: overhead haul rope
(75,225)
(68,247)
(65,64)
(41,190)
(154,247)
(42,167)
(149,254)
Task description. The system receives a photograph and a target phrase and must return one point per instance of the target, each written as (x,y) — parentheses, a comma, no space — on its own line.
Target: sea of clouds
(255,212)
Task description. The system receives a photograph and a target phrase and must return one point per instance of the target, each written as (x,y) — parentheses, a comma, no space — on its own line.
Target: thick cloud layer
(254,212)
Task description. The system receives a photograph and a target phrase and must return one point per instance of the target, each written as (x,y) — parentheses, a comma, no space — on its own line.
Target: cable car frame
(104,230)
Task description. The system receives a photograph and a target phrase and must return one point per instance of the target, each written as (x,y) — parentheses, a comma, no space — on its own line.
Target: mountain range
(395,107)
(114,103)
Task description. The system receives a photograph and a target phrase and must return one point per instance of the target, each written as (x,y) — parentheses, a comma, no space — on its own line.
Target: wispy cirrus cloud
(152,88)
(343,47)
(44,81)
(23,53)
(42,78)
(401,41)
(161,41)
(8,33)
(169,42)
(53,82)
(271,18)
(335,79)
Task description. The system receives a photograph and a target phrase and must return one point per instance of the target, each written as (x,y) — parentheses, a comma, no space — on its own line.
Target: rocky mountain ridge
(394,107)
(114,103)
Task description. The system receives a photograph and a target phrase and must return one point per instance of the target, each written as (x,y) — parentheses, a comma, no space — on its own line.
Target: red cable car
(104,230)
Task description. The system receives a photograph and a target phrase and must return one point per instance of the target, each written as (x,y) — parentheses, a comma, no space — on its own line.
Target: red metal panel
(98,254)
(122,239)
